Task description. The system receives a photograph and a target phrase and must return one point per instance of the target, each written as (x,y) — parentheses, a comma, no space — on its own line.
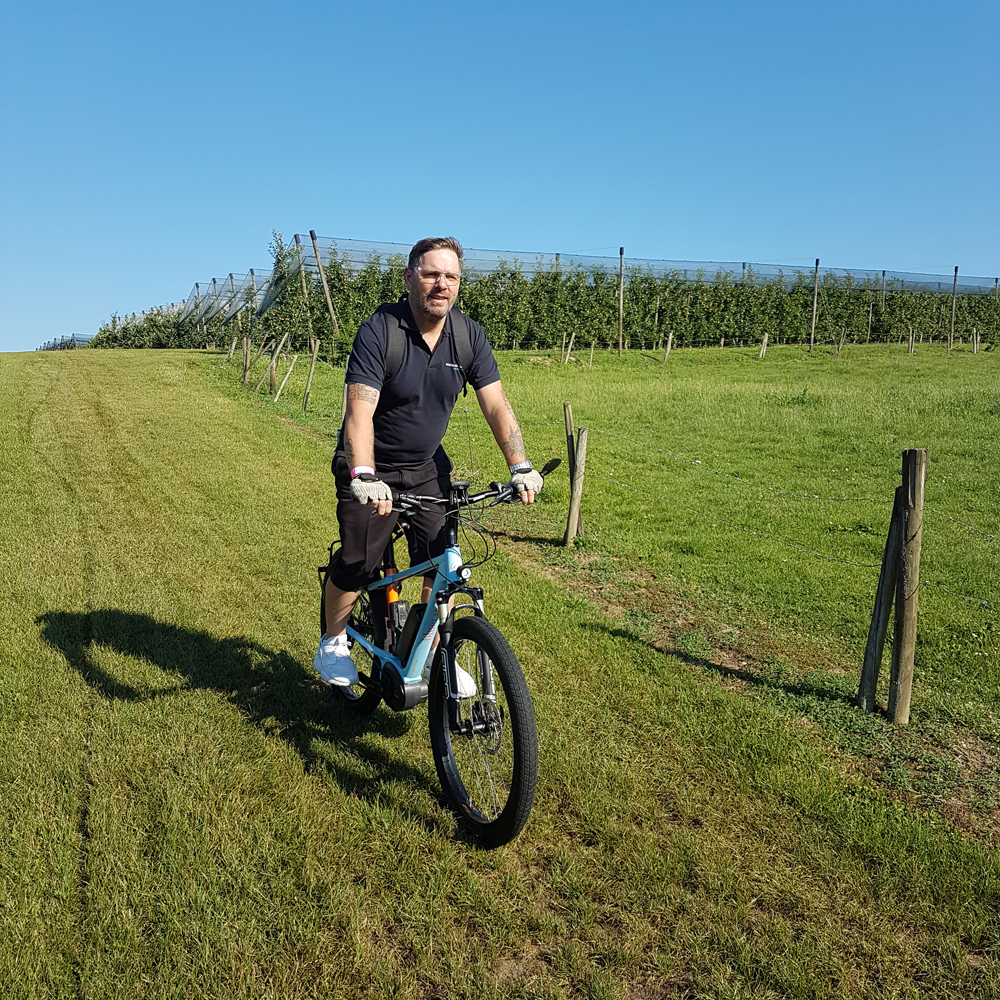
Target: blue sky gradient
(146,147)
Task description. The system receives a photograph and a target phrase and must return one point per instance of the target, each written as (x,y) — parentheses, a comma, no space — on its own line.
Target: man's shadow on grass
(271,689)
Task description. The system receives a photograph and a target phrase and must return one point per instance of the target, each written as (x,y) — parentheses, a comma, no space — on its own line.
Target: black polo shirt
(414,407)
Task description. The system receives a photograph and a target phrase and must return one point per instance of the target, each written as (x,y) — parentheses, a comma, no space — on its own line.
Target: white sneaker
(466,685)
(333,662)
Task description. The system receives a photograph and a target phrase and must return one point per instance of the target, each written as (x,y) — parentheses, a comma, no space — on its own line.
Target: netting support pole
(954,296)
(812,329)
(305,291)
(326,286)
(621,296)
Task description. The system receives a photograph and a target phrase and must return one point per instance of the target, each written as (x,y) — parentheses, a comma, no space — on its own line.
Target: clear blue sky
(144,147)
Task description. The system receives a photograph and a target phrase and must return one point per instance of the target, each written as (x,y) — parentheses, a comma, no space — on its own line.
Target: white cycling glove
(367,488)
(522,482)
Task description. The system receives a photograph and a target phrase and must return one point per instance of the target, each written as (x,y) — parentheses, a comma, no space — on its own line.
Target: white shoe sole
(337,679)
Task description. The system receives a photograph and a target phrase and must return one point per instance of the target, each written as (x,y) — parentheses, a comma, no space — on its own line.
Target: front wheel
(489,770)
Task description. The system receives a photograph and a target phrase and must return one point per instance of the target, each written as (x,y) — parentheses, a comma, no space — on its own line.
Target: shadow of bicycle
(271,689)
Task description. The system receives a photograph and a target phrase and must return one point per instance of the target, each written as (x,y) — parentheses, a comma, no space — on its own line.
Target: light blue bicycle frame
(447,568)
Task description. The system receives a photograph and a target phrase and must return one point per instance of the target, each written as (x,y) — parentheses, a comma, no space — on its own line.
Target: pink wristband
(361,469)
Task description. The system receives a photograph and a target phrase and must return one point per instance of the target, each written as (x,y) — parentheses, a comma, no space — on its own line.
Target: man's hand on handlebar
(368,488)
(526,485)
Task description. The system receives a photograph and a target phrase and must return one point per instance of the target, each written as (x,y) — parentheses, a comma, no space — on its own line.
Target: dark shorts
(364,535)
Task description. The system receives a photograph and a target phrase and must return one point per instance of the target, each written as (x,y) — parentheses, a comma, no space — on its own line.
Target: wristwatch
(520,467)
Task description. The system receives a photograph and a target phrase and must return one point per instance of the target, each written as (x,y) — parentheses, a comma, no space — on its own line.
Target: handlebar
(498,492)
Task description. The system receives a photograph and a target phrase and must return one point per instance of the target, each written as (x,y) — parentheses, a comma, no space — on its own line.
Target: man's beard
(433,310)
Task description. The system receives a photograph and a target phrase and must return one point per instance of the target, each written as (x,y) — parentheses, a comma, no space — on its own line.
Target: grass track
(187,816)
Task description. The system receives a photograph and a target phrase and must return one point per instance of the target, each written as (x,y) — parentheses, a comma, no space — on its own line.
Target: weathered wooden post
(309,380)
(570,349)
(883,605)
(904,637)
(575,520)
(570,434)
(285,379)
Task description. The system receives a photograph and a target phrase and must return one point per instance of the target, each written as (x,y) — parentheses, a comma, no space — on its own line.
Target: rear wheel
(489,769)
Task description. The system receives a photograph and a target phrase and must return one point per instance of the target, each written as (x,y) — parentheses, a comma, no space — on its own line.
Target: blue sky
(145,147)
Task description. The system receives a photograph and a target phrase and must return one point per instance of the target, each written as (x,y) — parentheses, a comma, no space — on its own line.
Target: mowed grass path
(185,813)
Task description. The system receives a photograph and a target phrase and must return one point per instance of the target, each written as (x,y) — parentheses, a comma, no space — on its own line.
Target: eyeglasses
(433,277)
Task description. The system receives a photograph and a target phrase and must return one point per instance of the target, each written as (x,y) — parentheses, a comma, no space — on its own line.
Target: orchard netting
(536,301)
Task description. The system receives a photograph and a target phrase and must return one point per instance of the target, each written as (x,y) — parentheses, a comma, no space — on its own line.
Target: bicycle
(485,747)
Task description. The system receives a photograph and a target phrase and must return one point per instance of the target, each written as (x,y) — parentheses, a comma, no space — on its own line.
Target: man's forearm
(359,431)
(505,429)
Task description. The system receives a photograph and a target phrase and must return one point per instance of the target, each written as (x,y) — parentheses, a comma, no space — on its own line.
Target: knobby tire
(489,777)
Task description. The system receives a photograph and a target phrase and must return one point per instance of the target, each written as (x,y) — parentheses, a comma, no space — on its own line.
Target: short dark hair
(433,243)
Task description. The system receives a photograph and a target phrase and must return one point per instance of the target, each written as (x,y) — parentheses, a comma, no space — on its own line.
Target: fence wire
(968,527)
(961,597)
(697,463)
(737,527)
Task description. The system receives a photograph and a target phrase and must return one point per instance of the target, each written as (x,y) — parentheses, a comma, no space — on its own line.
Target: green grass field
(186,813)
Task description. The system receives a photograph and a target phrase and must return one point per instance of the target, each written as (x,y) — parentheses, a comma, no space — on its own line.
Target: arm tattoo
(355,390)
(513,445)
(359,438)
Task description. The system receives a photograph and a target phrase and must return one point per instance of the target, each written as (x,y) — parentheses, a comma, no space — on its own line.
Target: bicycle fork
(477,723)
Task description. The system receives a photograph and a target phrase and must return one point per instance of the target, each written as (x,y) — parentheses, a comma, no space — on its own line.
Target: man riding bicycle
(408,364)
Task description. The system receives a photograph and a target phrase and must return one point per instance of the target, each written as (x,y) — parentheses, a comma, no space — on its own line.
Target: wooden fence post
(270,367)
(570,435)
(621,296)
(574,521)
(260,350)
(670,343)
(907,585)
(954,296)
(571,450)
(570,350)
(285,379)
(812,329)
(309,381)
(883,605)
